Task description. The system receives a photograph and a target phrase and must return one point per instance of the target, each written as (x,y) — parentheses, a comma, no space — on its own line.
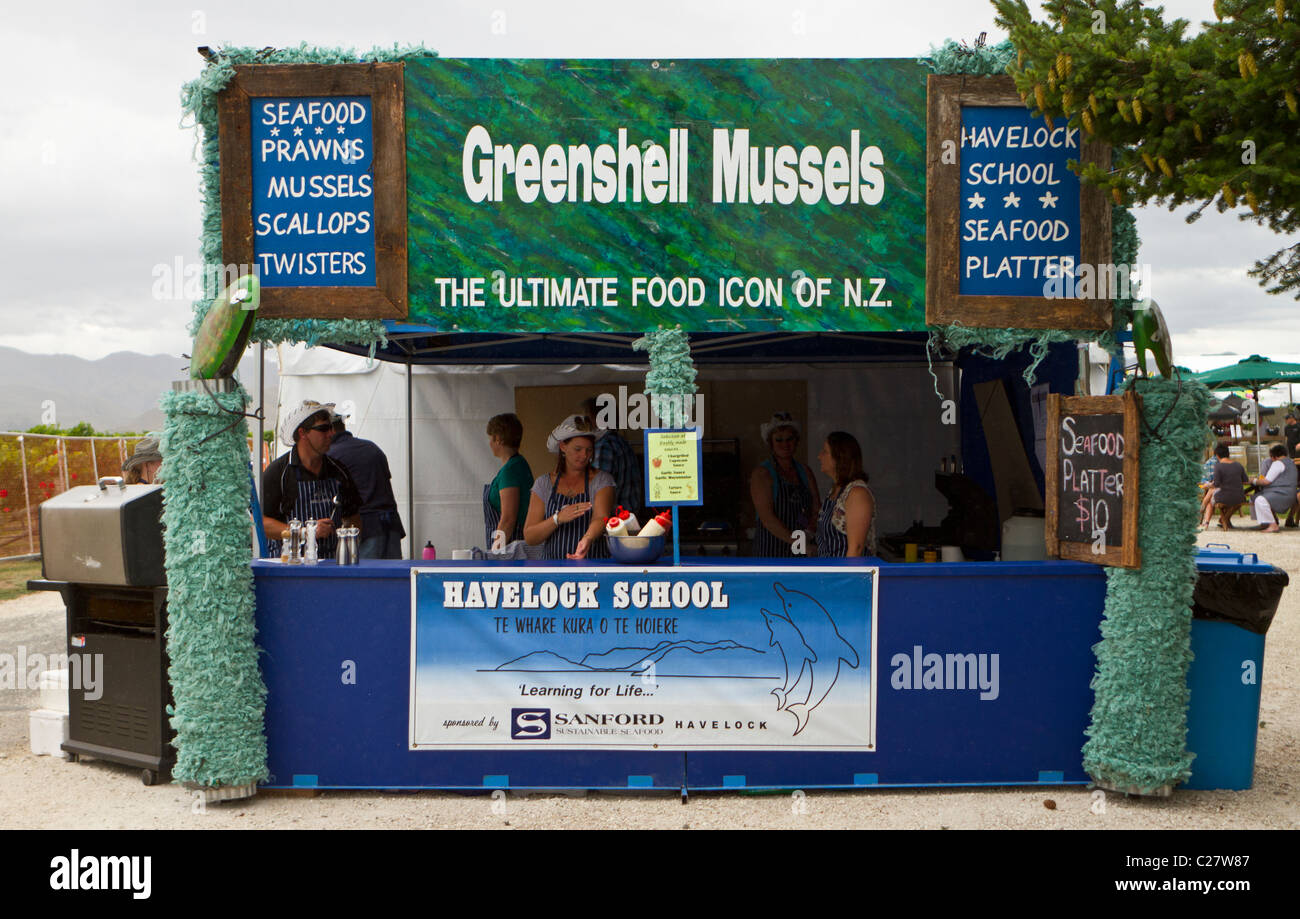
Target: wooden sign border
(383,83)
(1128,554)
(944,304)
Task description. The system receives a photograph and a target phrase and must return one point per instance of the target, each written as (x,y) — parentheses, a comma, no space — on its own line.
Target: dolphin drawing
(812,648)
(787,640)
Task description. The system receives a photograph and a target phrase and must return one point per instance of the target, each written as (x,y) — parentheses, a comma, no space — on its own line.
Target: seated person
(568,508)
(1227,488)
(847,526)
(1276,489)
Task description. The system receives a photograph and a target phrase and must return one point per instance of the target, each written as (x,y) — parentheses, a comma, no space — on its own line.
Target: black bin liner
(1247,599)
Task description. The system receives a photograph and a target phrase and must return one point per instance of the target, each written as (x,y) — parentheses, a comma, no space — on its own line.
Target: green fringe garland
(671,373)
(199,100)
(954,58)
(219,694)
(1138,736)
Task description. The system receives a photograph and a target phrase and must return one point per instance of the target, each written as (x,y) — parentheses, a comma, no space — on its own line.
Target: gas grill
(102,549)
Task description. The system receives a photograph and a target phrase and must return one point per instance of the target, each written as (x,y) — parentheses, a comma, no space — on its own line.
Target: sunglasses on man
(322,427)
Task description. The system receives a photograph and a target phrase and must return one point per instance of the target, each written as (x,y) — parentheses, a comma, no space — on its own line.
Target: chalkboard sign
(313,187)
(1092,479)
(1007,222)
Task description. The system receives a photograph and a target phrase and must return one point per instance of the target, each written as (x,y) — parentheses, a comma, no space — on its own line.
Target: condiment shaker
(295,541)
(309,556)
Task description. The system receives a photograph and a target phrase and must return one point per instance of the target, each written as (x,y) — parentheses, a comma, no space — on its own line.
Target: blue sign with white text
(313,191)
(1019,202)
(675,659)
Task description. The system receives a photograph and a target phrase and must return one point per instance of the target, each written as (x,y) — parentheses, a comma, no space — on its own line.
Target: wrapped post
(1138,736)
(218,689)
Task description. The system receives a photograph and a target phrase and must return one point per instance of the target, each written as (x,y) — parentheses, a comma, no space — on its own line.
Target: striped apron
(492,519)
(791,504)
(831,543)
(315,502)
(566,538)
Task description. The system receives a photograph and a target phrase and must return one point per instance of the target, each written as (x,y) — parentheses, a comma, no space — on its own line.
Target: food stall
(492,215)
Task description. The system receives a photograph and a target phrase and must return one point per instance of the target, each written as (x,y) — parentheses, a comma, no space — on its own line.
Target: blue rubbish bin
(1236,597)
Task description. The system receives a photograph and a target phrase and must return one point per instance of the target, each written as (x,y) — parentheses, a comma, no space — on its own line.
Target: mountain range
(119,392)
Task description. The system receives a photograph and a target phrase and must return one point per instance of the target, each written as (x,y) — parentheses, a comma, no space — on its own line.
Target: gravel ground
(46,792)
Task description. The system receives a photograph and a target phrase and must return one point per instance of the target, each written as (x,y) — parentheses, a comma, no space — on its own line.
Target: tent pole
(261,418)
(410,466)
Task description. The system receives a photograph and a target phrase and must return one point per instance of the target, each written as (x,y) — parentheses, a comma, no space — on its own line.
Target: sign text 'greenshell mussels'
(621,195)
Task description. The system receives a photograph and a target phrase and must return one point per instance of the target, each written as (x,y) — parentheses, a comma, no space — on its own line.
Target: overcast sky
(98,184)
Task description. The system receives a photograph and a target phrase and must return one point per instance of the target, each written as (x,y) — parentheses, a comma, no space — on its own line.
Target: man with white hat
(305,483)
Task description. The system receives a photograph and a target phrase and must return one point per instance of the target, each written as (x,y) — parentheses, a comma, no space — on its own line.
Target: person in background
(1276,489)
(143,465)
(305,483)
(503,497)
(614,455)
(783,490)
(1227,489)
(1207,491)
(381,525)
(847,526)
(568,507)
(1292,433)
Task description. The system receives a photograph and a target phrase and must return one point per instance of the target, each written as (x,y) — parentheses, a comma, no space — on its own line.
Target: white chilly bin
(48,730)
(53,686)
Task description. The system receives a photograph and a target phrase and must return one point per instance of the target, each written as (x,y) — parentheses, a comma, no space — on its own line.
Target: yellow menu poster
(673,465)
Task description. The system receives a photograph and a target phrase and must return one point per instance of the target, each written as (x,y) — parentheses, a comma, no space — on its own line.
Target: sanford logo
(102,872)
(530,724)
(946,671)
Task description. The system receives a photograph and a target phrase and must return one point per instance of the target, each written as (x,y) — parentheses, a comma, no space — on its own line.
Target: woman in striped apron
(568,507)
(783,490)
(847,525)
(503,497)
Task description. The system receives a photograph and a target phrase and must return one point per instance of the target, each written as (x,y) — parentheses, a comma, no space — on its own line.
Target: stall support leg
(410,469)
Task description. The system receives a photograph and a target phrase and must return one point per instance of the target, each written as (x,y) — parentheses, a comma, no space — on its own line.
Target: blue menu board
(1019,202)
(313,191)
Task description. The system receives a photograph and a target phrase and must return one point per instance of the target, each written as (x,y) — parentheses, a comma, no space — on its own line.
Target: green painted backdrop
(795,102)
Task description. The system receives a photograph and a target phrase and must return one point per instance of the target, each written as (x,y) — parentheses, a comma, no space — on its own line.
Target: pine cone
(1151,164)
(1164,167)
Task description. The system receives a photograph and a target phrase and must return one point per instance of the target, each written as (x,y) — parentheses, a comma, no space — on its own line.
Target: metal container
(349,546)
(108,533)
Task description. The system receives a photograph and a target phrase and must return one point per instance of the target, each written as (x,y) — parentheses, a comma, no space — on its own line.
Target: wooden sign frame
(944,303)
(1127,554)
(383,83)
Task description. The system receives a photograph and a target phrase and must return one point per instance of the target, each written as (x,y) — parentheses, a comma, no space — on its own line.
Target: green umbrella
(1253,373)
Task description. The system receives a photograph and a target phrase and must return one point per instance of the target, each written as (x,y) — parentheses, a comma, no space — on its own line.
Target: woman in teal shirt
(503,496)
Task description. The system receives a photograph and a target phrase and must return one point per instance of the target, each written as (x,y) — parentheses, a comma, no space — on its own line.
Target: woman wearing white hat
(568,507)
(783,490)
